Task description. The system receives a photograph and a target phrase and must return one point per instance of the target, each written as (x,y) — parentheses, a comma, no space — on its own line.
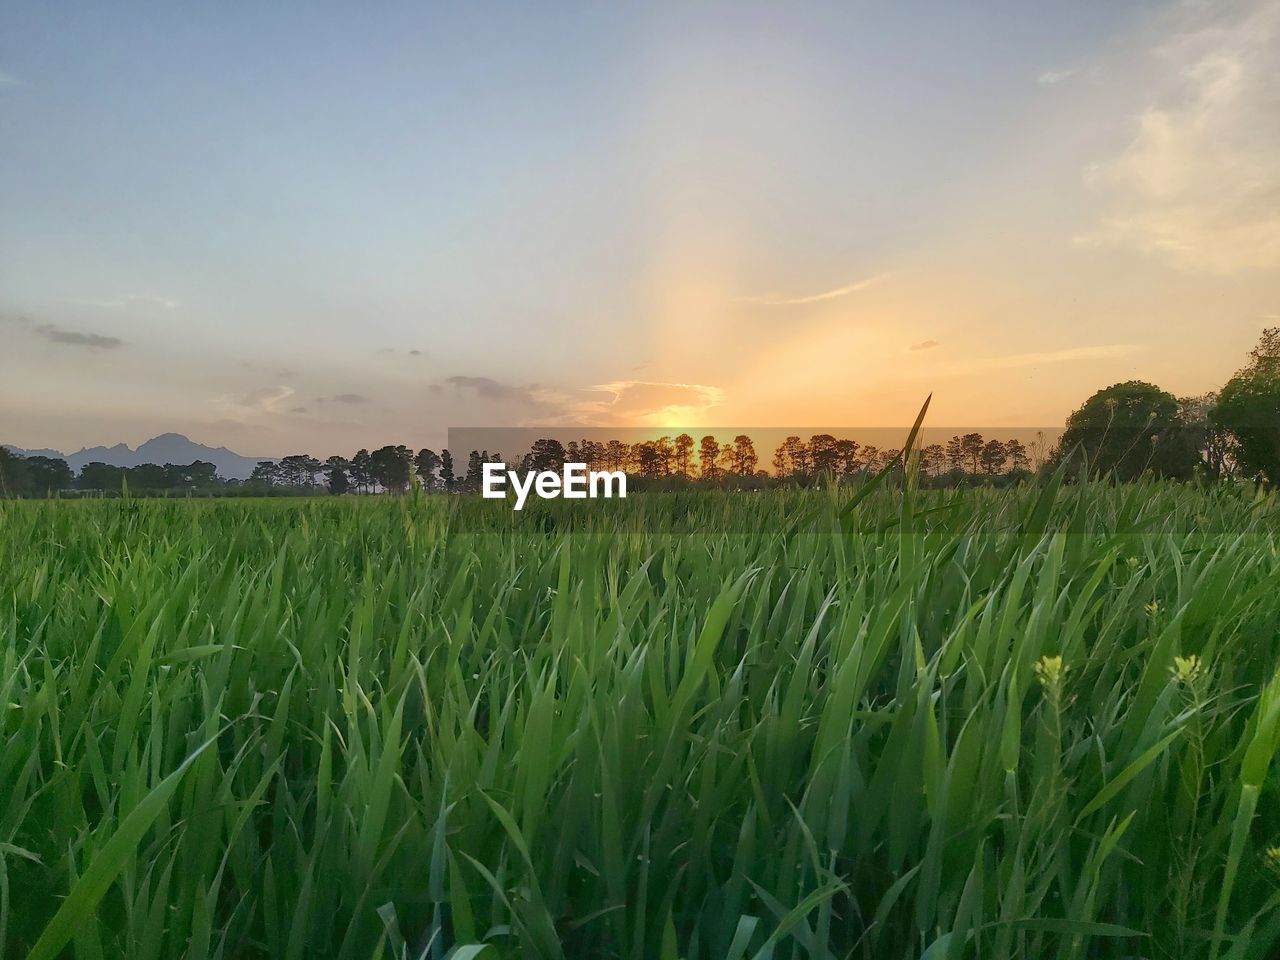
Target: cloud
(9,80)
(297,409)
(780,301)
(923,345)
(1057,76)
(72,338)
(489,389)
(415,353)
(348,398)
(260,400)
(134,300)
(645,402)
(619,403)
(1018,361)
(1198,184)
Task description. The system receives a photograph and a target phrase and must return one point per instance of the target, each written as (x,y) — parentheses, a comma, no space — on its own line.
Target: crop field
(1036,723)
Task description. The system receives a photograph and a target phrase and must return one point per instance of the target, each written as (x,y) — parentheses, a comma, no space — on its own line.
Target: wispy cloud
(1057,76)
(260,400)
(347,398)
(1017,361)
(74,338)
(9,80)
(834,294)
(488,388)
(923,345)
(1198,185)
(135,300)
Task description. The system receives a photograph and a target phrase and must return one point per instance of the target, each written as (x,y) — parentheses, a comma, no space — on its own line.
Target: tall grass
(961,725)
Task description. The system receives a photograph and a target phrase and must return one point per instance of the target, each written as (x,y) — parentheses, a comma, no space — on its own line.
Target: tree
(266,473)
(100,476)
(1019,459)
(955,453)
(709,458)
(971,445)
(336,478)
(682,455)
(48,474)
(932,459)
(547,454)
(846,457)
(299,470)
(822,452)
(389,467)
(648,459)
(1215,444)
(446,470)
(1249,407)
(150,476)
(791,458)
(666,455)
(743,457)
(1248,411)
(360,469)
(1265,357)
(195,475)
(1127,429)
(425,464)
(593,454)
(616,454)
(474,470)
(993,456)
(14,479)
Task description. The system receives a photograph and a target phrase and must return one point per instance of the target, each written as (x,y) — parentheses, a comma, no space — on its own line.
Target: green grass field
(957,726)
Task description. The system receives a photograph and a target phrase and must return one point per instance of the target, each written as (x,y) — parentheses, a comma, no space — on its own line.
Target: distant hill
(166,448)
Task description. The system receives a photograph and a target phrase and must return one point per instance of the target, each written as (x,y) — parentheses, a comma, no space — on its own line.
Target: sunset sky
(315,226)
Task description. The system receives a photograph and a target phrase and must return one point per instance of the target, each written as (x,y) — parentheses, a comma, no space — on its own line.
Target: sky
(320,226)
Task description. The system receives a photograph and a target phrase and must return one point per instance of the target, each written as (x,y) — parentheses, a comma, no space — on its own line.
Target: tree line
(1123,431)
(669,460)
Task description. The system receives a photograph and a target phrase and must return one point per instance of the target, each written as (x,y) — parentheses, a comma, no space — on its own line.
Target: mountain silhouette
(166,448)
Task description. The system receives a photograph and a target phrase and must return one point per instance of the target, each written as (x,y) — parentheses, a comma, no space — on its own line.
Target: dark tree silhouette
(709,459)
(389,467)
(1127,429)
(426,463)
(266,473)
(1249,408)
(993,457)
(14,479)
(446,470)
(100,476)
(361,468)
(971,445)
(336,478)
(683,455)
(743,457)
(1017,454)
